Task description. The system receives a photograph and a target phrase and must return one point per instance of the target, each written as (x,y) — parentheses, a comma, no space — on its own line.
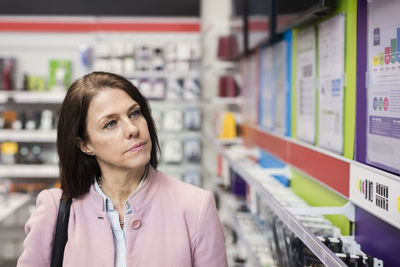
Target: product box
(60,74)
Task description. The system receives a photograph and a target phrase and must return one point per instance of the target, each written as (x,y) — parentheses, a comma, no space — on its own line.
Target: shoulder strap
(61,235)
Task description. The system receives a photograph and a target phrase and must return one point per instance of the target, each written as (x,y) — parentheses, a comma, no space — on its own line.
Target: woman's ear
(85,147)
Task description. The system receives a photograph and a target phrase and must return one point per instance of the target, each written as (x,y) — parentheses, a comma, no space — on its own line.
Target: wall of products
(36,68)
(300,106)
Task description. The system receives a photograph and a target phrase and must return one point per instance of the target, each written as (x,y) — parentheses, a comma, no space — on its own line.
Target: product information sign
(266,89)
(376,193)
(306,85)
(331,40)
(383,86)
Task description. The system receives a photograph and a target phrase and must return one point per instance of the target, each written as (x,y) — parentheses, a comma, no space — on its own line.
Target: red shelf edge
(330,171)
(65,26)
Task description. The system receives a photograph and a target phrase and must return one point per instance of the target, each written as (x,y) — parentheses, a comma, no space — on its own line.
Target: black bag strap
(61,235)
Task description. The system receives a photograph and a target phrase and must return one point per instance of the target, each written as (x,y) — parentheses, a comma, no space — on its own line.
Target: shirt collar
(107,201)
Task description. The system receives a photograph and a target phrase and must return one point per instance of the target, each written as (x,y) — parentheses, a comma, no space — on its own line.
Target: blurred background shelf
(44,136)
(26,97)
(29,171)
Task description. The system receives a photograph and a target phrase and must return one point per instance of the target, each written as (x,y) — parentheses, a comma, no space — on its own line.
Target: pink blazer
(172,224)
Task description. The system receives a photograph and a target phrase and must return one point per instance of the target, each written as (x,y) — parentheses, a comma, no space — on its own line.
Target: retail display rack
(286,215)
(336,172)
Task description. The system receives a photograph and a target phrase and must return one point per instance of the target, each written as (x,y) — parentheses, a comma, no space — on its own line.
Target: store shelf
(179,168)
(26,97)
(42,136)
(220,66)
(14,202)
(326,256)
(224,101)
(180,135)
(327,167)
(175,104)
(231,205)
(163,74)
(29,171)
(218,142)
(336,172)
(245,239)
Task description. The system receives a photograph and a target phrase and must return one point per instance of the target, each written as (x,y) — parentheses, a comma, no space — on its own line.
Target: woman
(124,212)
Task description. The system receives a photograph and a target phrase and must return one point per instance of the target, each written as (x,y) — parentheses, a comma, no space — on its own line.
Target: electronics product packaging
(173,120)
(192,119)
(174,89)
(192,89)
(192,150)
(60,74)
(172,151)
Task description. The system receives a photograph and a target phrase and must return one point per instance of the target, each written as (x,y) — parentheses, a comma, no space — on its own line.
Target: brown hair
(77,169)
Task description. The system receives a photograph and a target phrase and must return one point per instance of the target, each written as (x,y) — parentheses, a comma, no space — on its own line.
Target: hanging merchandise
(145,87)
(192,89)
(170,51)
(158,89)
(192,150)
(173,120)
(174,89)
(306,85)
(192,119)
(183,52)
(157,59)
(331,41)
(383,86)
(172,151)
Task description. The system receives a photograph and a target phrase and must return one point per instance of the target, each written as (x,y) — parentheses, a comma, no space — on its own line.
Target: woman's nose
(131,129)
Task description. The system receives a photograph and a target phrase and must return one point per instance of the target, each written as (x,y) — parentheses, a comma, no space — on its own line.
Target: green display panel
(317,195)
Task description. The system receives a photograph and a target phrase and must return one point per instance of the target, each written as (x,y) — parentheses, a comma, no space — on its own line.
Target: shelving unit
(163,74)
(326,256)
(244,238)
(27,97)
(174,104)
(14,202)
(42,136)
(336,172)
(29,171)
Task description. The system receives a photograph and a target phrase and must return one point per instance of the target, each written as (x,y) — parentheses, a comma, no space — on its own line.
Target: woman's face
(117,131)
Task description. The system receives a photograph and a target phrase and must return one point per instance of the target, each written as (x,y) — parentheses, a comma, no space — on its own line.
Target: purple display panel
(377,238)
(361,102)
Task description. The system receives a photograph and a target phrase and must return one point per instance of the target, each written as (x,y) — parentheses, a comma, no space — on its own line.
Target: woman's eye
(136,114)
(110,124)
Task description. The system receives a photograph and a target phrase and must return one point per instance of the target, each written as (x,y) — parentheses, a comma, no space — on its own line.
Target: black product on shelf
(290,13)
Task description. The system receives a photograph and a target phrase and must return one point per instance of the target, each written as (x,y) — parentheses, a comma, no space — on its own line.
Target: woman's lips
(137,147)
